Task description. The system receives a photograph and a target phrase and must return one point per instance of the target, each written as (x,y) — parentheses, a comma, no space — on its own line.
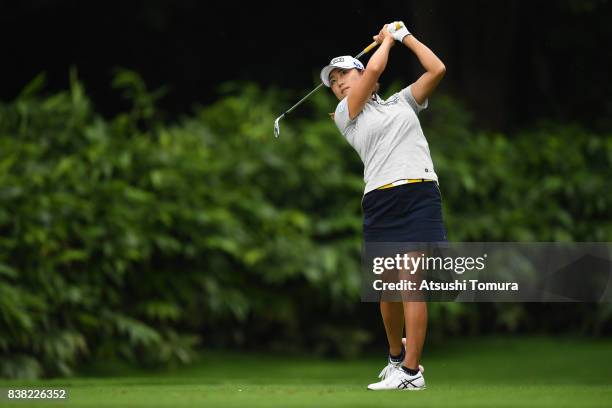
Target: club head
(277,125)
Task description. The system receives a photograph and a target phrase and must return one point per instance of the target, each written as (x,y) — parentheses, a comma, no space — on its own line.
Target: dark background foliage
(510,62)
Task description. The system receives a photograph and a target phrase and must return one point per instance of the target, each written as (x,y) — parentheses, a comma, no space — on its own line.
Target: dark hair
(376,88)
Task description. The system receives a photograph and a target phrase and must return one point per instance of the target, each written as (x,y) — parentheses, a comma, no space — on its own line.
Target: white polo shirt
(388,137)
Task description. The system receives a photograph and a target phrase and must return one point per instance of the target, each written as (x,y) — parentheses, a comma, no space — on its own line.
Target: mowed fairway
(540,372)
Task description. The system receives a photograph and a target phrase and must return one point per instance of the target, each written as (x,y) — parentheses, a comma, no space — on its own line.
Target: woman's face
(341,80)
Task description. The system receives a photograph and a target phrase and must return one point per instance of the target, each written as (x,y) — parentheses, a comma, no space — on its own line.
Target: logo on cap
(335,60)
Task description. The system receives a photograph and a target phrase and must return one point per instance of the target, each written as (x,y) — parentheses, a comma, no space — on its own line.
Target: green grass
(540,372)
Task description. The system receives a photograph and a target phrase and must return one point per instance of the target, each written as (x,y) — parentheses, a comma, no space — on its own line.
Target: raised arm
(435,69)
(362,90)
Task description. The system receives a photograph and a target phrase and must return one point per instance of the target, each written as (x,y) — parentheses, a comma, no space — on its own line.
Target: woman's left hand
(398,30)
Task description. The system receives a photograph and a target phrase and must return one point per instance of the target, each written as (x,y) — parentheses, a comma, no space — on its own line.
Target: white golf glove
(398,30)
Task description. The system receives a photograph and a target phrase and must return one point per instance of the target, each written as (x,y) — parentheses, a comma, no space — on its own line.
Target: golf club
(276,122)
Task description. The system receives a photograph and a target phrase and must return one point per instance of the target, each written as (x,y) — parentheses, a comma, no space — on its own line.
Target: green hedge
(137,238)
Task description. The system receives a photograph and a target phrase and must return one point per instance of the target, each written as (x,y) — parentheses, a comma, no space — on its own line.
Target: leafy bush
(139,239)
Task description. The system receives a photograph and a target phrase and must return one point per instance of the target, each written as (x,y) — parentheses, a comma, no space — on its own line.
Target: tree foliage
(136,238)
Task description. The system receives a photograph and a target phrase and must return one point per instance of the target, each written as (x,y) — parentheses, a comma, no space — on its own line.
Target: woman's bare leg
(415,315)
(393,318)
(416,328)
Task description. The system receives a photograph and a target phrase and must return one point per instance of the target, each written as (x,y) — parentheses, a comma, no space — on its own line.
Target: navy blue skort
(406,213)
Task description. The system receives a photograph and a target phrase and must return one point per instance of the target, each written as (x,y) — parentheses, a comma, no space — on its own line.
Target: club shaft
(303,99)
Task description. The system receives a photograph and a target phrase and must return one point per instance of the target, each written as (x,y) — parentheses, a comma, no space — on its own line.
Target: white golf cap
(344,62)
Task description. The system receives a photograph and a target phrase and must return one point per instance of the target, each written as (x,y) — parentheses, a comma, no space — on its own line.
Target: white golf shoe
(398,379)
(391,365)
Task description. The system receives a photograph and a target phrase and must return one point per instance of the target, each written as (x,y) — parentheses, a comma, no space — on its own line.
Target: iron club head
(277,126)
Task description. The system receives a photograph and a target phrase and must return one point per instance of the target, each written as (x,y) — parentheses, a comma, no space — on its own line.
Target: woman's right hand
(383,35)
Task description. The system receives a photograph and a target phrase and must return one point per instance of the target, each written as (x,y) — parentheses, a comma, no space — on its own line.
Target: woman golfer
(402,201)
